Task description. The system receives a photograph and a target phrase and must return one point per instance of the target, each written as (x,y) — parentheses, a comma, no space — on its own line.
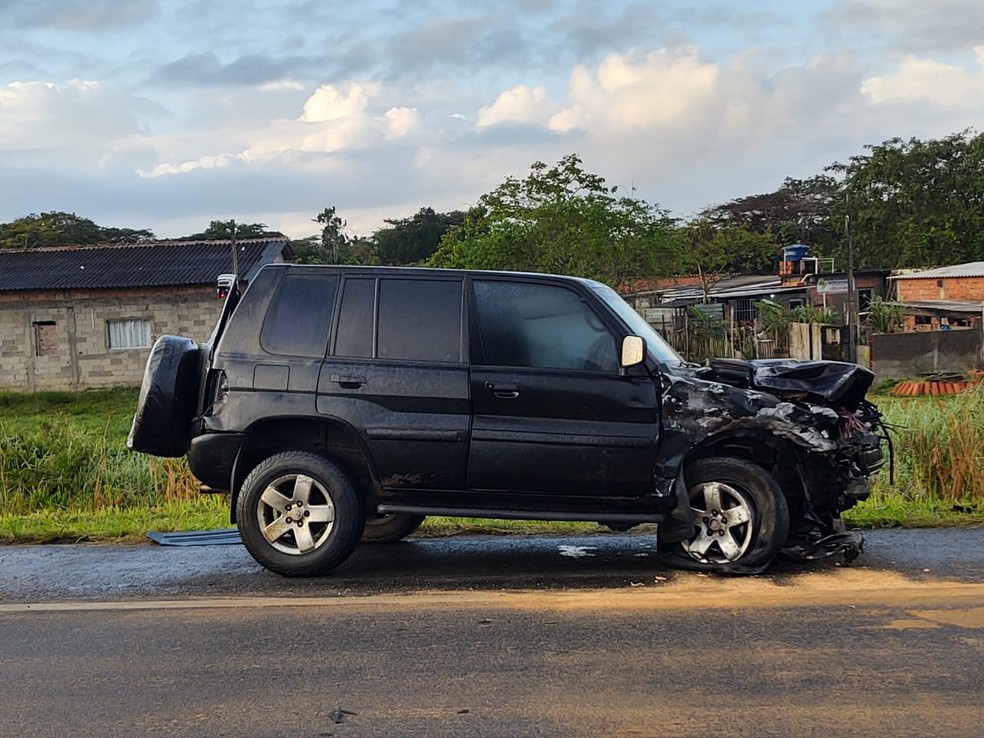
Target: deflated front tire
(740,514)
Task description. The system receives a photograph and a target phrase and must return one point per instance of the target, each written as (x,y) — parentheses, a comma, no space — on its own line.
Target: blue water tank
(795,252)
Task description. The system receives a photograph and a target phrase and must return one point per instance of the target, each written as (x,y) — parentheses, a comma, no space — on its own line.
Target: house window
(129,334)
(46,338)
(796,303)
(864,300)
(743,310)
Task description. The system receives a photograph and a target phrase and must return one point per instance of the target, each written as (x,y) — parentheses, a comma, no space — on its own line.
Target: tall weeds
(67,453)
(56,455)
(939,445)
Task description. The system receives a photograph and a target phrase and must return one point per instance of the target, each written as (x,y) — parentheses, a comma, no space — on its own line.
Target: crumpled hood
(835,382)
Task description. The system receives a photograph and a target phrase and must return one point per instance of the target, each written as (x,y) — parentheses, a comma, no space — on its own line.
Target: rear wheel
(299,515)
(390,528)
(741,516)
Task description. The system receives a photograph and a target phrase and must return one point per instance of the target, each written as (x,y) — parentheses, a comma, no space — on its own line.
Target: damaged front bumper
(822,442)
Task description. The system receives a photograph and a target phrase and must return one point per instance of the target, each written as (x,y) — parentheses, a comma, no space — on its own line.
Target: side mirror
(633,351)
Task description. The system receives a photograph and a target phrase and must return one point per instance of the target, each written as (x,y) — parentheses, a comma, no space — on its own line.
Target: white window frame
(123,334)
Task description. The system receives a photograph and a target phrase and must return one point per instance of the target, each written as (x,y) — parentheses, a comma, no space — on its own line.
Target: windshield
(657,346)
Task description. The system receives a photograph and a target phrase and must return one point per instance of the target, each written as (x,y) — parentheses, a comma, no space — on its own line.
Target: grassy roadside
(65,474)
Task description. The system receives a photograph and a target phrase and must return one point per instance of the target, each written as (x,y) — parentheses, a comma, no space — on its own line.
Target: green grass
(66,475)
(114,524)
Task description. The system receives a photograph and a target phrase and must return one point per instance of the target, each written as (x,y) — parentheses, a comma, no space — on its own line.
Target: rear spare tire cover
(168,395)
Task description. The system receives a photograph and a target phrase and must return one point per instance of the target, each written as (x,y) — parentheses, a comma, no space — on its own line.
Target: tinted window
(299,317)
(539,325)
(355,318)
(419,320)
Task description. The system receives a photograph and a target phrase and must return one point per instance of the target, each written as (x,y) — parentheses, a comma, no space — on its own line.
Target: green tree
(884,315)
(221,230)
(712,252)
(333,245)
(798,212)
(915,203)
(333,238)
(562,219)
(413,240)
(63,229)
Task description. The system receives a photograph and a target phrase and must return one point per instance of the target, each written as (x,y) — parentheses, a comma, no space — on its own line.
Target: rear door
(397,372)
(550,412)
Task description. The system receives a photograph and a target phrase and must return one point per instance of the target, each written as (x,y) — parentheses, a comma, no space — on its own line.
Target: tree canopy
(562,219)
(798,212)
(63,229)
(221,230)
(413,240)
(915,203)
(714,251)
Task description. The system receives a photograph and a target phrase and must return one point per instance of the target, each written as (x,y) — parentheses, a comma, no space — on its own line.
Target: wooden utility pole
(852,312)
(235,256)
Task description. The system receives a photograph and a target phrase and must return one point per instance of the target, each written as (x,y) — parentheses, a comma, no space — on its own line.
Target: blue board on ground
(219,537)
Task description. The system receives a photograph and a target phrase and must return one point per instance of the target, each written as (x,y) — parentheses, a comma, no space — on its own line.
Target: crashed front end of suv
(807,422)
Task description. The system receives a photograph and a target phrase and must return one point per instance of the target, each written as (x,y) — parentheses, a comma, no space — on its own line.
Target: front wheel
(741,516)
(299,515)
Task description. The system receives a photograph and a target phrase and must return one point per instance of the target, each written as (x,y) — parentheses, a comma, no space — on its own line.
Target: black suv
(345,403)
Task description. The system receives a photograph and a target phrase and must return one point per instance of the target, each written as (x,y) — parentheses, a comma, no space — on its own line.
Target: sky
(168,114)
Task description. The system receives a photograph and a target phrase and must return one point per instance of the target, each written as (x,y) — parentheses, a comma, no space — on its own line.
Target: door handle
(348,380)
(503,391)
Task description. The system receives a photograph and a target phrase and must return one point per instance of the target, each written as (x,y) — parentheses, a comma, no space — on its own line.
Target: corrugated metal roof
(970,269)
(944,307)
(160,264)
(751,286)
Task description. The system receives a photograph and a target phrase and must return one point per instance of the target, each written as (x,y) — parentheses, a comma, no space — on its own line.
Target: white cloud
(661,89)
(930,81)
(401,121)
(330,103)
(69,116)
(521,104)
(333,119)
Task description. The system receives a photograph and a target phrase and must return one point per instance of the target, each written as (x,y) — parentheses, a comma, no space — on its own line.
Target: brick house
(949,296)
(74,318)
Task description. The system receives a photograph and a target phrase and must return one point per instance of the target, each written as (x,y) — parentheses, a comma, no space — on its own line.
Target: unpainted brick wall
(953,288)
(83,358)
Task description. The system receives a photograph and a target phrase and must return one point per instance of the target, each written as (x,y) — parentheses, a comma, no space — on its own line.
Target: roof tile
(159,264)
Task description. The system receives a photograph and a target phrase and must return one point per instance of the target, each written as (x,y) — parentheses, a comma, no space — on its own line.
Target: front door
(550,413)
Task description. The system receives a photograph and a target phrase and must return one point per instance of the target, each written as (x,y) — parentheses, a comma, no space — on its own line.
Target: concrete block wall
(83,358)
(897,355)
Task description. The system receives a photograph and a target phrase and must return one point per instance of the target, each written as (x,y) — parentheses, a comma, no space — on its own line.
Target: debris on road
(337,714)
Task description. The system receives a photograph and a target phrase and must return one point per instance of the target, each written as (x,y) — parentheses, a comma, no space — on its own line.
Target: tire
(168,397)
(390,528)
(331,522)
(741,514)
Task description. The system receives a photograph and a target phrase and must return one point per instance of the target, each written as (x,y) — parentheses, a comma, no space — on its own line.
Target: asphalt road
(493,637)
(36,573)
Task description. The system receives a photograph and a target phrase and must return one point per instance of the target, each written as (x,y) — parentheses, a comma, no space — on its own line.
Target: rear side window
(420,320)
(354,335)
(299,317)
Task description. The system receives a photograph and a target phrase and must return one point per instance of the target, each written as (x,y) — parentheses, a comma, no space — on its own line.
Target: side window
(299,317)
(419,320)
(537,325)
(354,334)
